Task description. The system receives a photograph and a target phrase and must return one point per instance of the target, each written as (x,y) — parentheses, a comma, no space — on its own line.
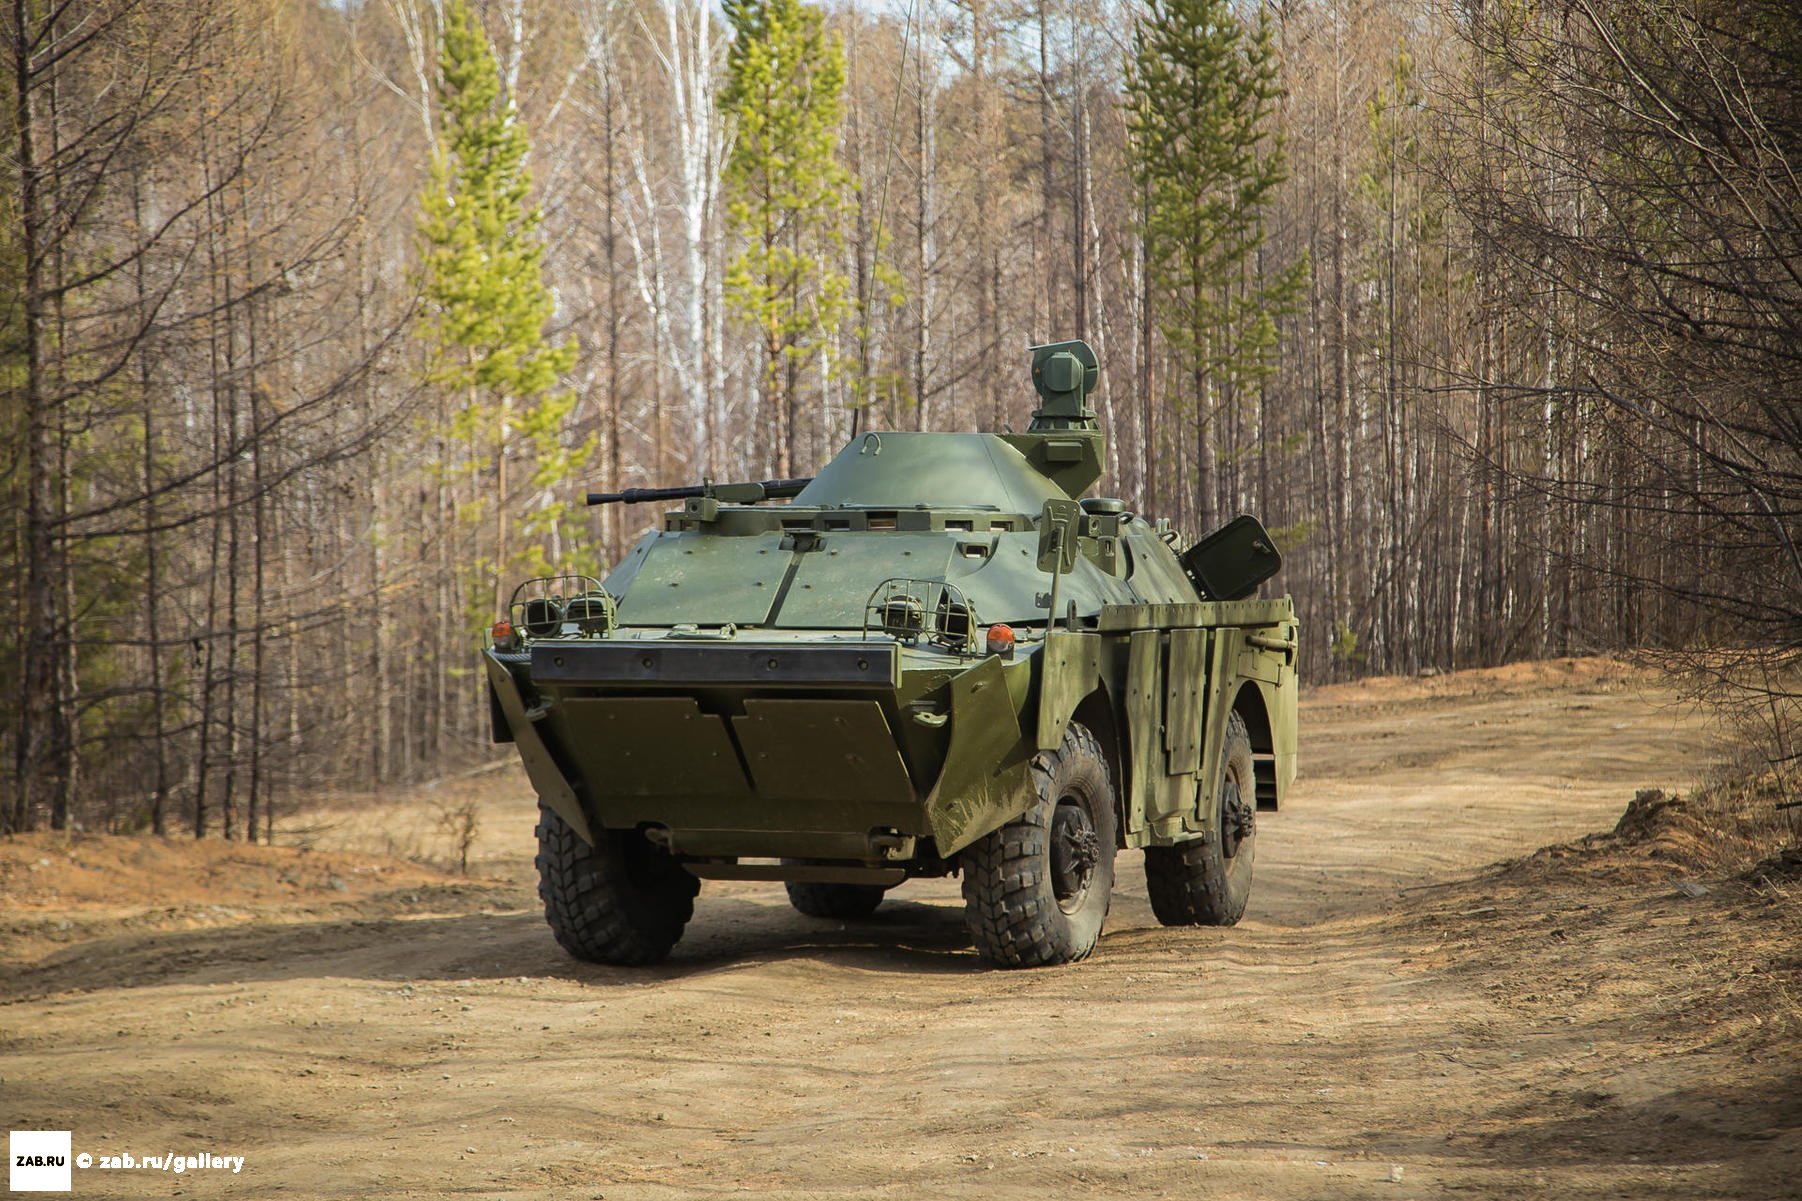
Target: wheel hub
(1238,820)
(1075,850)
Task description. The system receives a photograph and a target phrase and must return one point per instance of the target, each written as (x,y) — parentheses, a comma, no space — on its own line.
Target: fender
(1249,677)
(1069,670)
(982,786)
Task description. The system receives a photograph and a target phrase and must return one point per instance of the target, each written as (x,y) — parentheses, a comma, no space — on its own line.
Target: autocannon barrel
(736,493)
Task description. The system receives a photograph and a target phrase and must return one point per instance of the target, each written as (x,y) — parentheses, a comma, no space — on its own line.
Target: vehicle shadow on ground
(903,937)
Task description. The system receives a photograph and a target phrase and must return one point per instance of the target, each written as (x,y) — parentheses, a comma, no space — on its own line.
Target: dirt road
(1392,1020)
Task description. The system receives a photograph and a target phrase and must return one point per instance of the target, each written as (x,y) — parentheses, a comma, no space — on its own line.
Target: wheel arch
(1095,712)
(1252,709)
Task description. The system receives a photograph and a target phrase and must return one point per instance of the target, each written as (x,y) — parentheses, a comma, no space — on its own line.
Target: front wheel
(621,901)
(1206,881)
(1036,891)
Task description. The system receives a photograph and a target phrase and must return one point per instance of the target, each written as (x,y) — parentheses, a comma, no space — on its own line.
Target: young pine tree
(487,307)
(1200,95)
(785,193)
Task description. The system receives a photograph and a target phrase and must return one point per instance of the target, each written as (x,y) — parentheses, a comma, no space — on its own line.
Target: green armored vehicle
(938,658)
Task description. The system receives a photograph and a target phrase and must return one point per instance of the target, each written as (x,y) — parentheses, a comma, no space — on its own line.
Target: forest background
(316,318)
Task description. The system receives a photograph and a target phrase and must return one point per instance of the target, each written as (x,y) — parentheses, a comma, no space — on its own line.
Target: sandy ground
(1415,1006)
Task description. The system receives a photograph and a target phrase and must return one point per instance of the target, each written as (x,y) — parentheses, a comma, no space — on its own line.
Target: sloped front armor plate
(706,580)
(654,746)
(836,758)
(818,765)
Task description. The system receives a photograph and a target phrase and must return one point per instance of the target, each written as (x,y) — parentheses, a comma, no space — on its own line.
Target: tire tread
(1005,906)
(594,912)
(840,902)
(1187,883)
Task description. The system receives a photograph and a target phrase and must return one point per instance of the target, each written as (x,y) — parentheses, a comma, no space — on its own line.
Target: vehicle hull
(868,751)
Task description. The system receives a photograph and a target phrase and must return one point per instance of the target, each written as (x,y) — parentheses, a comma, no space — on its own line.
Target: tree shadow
(1712,1122)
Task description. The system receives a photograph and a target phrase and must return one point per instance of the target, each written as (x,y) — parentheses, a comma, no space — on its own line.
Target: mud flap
(1164,681)
(1185,684)
(1222,686)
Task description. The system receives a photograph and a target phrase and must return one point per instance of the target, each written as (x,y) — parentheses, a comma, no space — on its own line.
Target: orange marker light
(1001,640)
(502,634)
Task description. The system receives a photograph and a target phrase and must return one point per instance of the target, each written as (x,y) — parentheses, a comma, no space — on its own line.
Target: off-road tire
(1197,883)
(843,902)
(1011,879)
(621,901)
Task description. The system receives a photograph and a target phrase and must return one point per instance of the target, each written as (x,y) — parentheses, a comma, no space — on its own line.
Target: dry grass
(1721,863)
(1733,822)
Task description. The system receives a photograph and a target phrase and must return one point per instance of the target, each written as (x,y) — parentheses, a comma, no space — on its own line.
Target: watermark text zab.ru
(168,1162)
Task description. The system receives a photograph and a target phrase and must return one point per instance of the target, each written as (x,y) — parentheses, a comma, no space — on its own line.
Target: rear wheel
(1206,881)
(621,901)
(1036,891)
(843,902)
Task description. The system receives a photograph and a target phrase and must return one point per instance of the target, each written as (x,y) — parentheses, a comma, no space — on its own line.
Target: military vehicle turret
(938,658)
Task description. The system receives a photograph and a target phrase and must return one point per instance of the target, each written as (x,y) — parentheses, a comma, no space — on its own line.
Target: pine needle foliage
(487,308)
(786,190)
(1201,92)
